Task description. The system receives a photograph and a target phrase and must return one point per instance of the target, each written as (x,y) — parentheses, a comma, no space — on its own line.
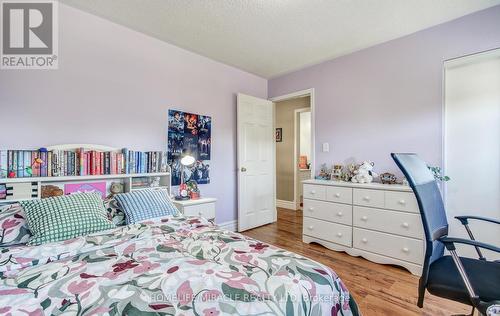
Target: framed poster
(191,134)
(279,134)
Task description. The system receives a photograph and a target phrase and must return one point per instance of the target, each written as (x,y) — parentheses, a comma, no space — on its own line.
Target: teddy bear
(364,173)
(50,191)
(115,188)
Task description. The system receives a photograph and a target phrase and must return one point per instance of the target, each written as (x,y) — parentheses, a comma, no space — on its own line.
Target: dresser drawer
(405,224)
(339,194)
(398,247)
(316,192)
(366,197)
(401,201)
(328,211)
(206,210)
(336,233)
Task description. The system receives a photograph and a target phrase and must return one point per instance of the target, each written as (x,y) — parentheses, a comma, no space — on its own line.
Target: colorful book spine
(12,166)
(4,164)
(43,165)
(81,156)
(27,163)
(20,163)
(125,160)
(49,164)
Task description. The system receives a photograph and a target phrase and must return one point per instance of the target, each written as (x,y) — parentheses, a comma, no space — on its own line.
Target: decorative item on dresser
(204,207)
(376,221)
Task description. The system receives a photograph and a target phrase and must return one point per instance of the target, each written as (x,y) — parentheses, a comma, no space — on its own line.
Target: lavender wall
(389,97)
(114,87)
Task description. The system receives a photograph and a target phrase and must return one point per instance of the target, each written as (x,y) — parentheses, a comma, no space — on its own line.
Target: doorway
(294,146)
(472,145)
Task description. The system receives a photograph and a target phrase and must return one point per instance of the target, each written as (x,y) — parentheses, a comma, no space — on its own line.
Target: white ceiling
(273,37)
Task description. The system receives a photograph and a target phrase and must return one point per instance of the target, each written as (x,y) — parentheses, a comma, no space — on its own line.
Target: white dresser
(204,207)
(376,221)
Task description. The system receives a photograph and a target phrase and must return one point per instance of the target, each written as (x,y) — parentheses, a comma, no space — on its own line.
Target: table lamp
(186,160)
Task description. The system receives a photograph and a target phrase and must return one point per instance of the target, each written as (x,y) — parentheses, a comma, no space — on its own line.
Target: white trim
(299,94)
(229,225)
(275,215)
(290,205)
(295,156)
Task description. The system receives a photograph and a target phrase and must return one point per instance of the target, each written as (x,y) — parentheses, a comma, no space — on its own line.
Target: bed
(167,266)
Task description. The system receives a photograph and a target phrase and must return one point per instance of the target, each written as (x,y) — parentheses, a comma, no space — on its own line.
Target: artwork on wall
(279,134)
(190,134)
(99,187)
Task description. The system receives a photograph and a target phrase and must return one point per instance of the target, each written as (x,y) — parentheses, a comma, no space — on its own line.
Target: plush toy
(115,188)
(51,190)
(364,173)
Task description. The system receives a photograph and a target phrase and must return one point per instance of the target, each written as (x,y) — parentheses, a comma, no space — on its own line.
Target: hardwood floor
(378,289)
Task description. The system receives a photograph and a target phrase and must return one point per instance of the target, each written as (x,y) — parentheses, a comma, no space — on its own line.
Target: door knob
(243,169)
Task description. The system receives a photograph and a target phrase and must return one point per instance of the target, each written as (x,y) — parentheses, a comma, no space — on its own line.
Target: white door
(472,146)
(256,162)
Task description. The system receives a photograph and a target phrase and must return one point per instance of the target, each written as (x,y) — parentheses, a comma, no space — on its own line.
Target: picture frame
(279,134)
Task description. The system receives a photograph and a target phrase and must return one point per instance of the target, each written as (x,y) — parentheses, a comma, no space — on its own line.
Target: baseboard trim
(230,225)
(290,205)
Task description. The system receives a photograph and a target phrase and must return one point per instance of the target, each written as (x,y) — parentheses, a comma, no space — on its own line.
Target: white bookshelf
(126,179)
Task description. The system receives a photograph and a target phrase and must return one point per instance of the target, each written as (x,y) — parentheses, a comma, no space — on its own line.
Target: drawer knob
(406,225)
(406,250)
(366,198)
(339,234)
(402,202)
(311,209)
(310,227)
(313,192)
(364,240)
(200,213)
(364,218)
(337,194)
(340,214)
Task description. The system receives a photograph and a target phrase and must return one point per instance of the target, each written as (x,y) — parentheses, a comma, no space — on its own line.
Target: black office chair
(474,282)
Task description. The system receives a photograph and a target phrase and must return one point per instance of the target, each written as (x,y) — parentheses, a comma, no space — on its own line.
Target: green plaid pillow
(65,217)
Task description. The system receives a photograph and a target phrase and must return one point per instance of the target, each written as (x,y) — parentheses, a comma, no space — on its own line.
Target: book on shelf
(79,162)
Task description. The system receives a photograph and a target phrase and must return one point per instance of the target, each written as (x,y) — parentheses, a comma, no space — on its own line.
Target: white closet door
(472,145)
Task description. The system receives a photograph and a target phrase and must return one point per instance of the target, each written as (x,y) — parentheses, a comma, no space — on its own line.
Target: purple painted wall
(388,98)
(114,87)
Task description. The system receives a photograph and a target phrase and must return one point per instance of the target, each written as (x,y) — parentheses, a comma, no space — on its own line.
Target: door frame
(294,95)
(296,138)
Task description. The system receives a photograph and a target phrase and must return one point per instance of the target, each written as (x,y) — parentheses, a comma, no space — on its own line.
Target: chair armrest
(449,243)
(464,219)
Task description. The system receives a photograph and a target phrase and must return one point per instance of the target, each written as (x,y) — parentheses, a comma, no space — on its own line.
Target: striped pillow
(65,217)
(145,204)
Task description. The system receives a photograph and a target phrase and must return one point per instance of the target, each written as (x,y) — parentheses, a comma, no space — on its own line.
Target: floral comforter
(171,266)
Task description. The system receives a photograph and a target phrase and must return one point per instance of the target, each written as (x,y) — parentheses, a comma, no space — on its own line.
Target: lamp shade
(187,160)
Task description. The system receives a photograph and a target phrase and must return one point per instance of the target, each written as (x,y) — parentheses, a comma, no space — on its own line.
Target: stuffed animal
(115,188)
(50,191)
(364,173)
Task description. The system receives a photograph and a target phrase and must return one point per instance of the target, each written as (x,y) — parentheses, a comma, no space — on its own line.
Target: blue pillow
(145,204)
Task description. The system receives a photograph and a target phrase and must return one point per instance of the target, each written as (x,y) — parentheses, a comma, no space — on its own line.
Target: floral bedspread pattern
(171,266)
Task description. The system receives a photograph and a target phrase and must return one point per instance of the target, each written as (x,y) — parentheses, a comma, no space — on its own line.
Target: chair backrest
(430,203)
